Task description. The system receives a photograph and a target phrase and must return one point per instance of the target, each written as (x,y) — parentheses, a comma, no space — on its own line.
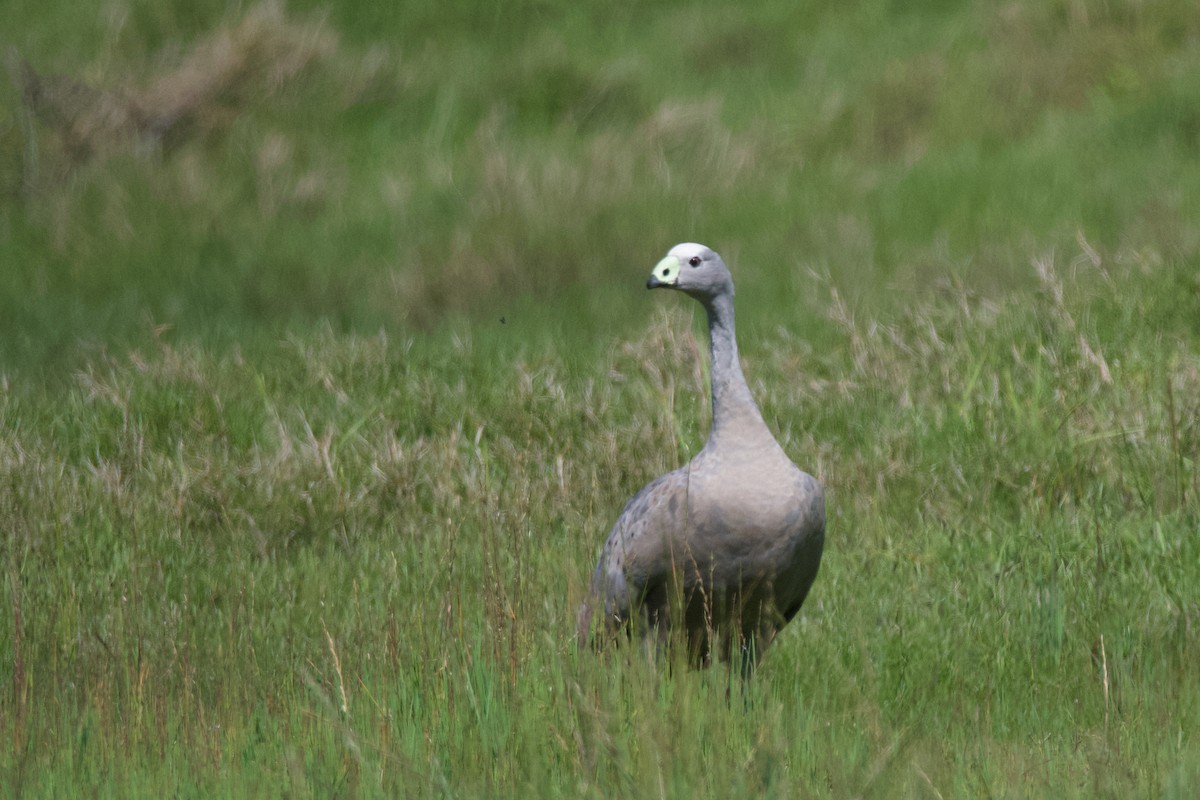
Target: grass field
(325,367)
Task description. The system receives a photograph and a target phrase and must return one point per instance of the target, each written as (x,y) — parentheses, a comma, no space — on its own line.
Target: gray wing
(637,554)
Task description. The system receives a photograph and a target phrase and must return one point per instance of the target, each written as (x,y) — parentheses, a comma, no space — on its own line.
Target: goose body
(727,546)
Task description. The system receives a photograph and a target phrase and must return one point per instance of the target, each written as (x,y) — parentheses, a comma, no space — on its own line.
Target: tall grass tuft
(325,368)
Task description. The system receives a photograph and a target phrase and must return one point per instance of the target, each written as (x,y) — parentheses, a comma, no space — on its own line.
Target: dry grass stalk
(337,667)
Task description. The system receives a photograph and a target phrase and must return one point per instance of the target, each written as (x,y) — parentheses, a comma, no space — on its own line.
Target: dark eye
(694,261)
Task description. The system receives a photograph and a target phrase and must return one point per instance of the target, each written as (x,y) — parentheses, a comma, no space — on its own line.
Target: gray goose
(727,546)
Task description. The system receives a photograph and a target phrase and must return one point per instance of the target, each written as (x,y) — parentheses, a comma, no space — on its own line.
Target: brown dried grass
(203,91)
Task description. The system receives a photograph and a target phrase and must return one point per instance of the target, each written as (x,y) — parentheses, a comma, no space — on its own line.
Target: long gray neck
(734,412)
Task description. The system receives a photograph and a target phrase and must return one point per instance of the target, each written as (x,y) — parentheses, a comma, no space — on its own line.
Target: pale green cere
(667,270)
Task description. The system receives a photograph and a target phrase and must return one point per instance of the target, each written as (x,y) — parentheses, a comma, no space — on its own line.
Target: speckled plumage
(730,543)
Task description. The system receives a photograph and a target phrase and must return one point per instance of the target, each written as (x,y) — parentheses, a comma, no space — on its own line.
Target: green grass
(315,413)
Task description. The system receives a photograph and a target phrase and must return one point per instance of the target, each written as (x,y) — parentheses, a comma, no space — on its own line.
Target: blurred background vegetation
(325,365)
(228,171)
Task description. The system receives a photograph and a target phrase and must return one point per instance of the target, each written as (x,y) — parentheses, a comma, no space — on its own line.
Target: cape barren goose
(726,547)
